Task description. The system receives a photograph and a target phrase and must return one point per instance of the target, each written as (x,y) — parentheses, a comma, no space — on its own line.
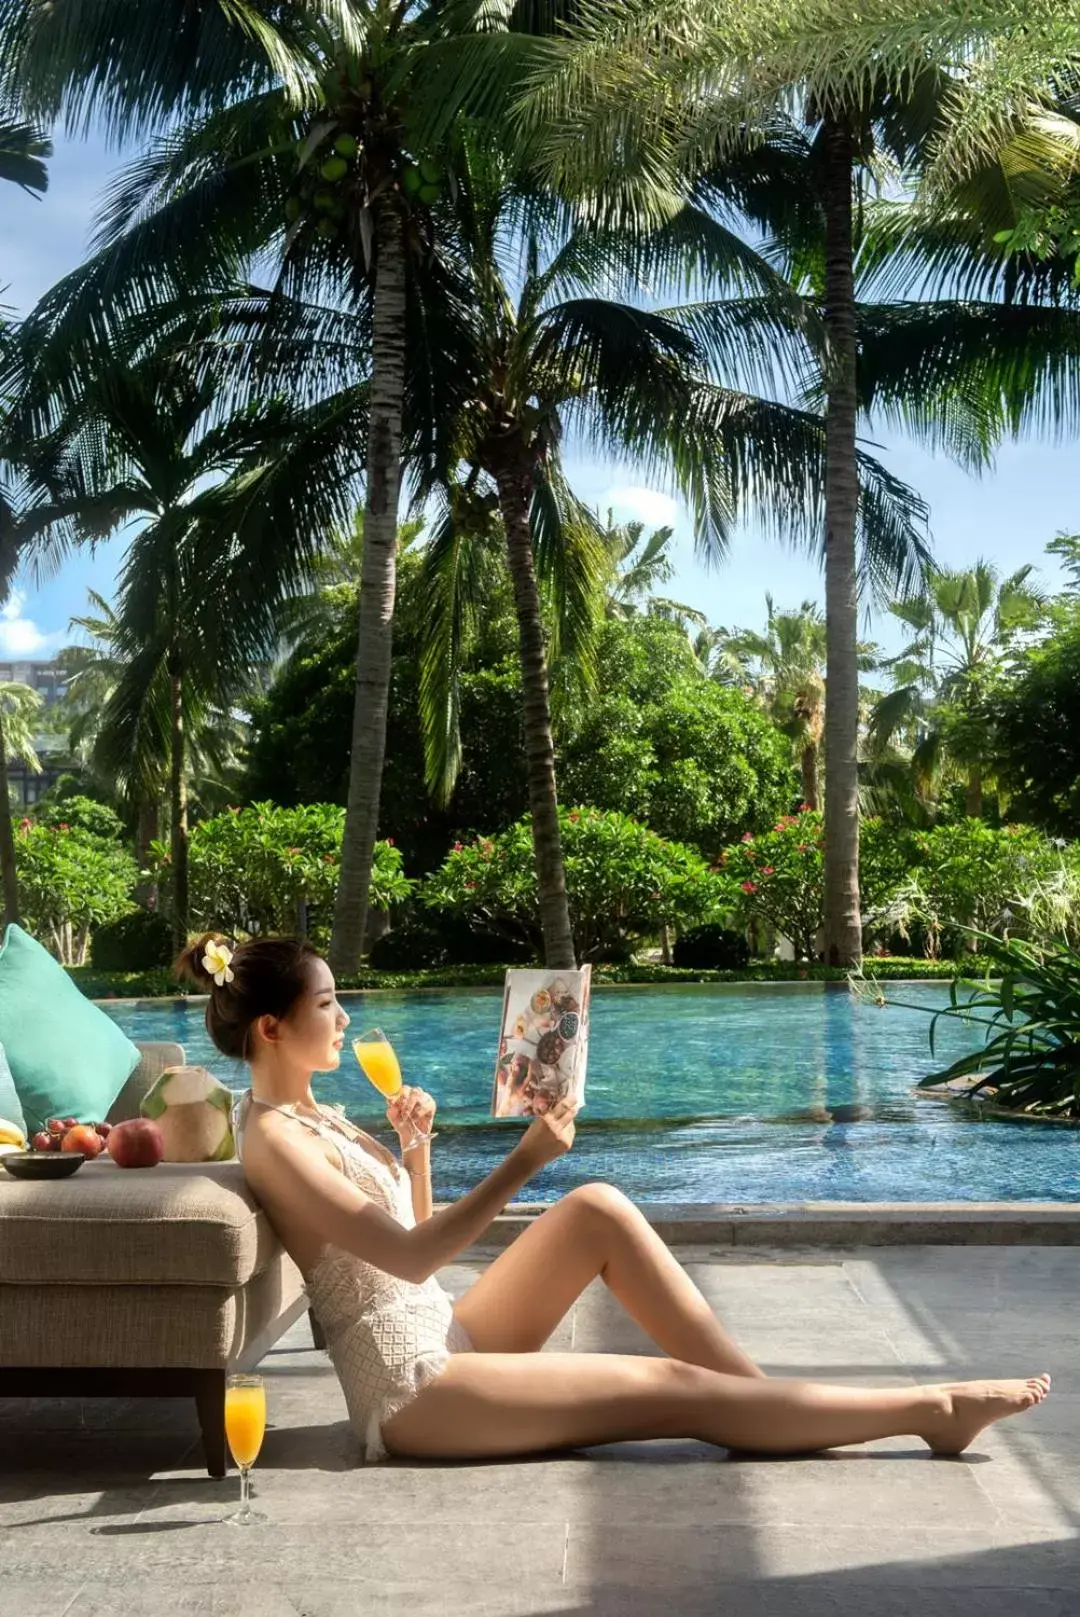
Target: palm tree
(785,670)
(962,633)
(642,565)
(93,671)
(703,93)
(551,357)
(23,150)
(301,141)
(19,709)
(230,518)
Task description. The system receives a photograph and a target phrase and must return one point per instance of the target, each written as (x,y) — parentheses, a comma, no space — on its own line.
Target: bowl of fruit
(60,1149)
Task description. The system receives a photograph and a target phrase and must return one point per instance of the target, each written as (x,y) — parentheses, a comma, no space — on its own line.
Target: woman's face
(314,1031)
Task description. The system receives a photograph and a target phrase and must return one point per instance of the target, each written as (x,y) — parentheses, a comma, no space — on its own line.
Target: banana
(11,1134)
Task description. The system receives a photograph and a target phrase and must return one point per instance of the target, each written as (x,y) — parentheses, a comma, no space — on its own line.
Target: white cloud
(646,505)
(19,635)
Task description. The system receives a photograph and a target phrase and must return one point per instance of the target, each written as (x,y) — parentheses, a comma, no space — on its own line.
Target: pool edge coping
(836,1224)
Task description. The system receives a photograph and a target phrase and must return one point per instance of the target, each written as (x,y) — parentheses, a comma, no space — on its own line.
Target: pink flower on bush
(804,808)
(804,847)
(471,885)
(747,836)
(573,816)
(63,826)
(768,870)
(24,825)
(458,846)
(390,842)
(749,886)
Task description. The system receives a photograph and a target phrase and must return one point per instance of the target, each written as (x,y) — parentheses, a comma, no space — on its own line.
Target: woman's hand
(549,1137)
(410,1110)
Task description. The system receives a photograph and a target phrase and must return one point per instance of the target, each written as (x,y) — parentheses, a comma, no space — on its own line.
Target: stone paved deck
(104,1509)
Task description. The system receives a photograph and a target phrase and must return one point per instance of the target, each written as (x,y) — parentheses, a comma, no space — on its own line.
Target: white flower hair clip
(216,962)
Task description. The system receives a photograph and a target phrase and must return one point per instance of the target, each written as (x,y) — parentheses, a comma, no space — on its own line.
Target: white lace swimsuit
(387,1338)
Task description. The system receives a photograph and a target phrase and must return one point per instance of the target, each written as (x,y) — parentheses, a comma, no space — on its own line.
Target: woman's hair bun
(188,966)
(265,977)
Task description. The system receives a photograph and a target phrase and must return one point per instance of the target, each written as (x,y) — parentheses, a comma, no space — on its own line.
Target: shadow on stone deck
(105,1508)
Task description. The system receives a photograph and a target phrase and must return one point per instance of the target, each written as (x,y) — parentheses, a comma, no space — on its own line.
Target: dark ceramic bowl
(42,1164)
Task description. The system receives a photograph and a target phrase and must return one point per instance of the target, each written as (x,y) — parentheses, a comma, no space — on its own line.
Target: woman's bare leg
(486,1404)
(517,1302)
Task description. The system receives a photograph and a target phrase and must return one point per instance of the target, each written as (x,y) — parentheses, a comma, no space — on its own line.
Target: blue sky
(1007,515)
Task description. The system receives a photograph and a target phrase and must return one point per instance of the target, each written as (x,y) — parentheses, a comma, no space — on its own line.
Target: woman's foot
(969,1406)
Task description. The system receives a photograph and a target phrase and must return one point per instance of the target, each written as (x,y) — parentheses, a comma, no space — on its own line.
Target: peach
(82,1138)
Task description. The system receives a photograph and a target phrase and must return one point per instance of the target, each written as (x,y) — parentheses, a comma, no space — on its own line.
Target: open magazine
(543,1043)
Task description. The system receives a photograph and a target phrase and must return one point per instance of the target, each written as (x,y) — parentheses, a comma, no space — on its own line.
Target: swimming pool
(757,1093)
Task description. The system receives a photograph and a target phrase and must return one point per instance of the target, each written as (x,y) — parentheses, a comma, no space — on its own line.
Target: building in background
(50,745)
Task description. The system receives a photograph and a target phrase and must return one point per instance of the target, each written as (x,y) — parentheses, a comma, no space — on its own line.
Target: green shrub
(271,869)
(777,880)
(716,948)
(421,943)
(70,881)
(623,883)
(970,878)
(138,941)
(1030,1060)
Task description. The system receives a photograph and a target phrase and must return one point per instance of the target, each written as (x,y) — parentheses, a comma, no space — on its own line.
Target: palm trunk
(515,489)
(808,766)
(7,842)
(973,797)
(178,846)
(146,832)
(377,587)
(843,930)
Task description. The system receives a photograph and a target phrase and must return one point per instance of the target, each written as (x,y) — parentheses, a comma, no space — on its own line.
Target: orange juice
(380,1064)
(245,1422)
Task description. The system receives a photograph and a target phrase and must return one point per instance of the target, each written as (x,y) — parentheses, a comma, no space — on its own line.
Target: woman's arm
(418,1167)
(292,1177)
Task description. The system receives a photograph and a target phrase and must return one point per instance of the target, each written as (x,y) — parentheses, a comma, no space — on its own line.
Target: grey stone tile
(661,1527)
(817,1599)
(200,1546)
(944,1557)
(38,1596)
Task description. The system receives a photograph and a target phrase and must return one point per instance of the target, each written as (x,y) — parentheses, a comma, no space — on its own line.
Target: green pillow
(68,1059)
(10,1105)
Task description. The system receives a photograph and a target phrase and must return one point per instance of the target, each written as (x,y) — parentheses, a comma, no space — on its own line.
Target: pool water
(703,1093)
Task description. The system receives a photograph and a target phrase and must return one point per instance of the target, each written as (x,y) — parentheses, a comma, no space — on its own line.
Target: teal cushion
(10,1105)
(68,1059)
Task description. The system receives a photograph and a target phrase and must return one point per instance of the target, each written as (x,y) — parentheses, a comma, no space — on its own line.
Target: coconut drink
(193,1110)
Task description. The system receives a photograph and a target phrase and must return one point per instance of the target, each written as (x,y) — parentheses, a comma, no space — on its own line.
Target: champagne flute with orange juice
(245,1424)
(379,1064)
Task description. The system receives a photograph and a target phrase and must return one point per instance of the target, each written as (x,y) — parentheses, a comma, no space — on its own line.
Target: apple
(136,1143)
(104,1129)
(71,1122)
(54,1126)
(82,1139)
(42,1142)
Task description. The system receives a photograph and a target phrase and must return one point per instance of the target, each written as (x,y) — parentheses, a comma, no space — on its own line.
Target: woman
(427,1377)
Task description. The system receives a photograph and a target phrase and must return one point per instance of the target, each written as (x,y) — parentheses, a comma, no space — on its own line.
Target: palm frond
(451,593)
(23,150)
(153,64)
(573,566)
